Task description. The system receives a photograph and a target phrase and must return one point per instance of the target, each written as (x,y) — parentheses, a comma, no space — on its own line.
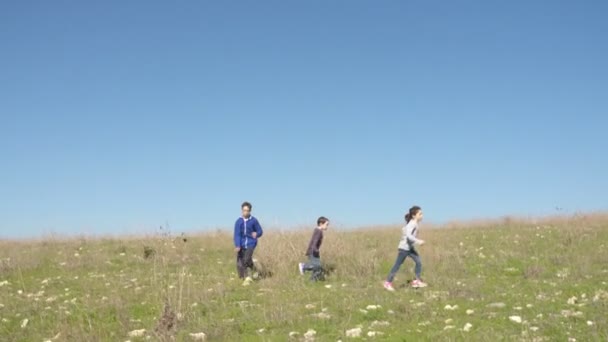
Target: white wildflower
(310,334)
(600,295)
(24,323)
(353,333)
(467,327)
(198,336)
(563,273)
(515,319)
(470,312)
(380,324)
(323,315)
(137,333)
(569,313)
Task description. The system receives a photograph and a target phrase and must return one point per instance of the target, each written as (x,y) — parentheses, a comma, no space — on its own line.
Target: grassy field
(506,280)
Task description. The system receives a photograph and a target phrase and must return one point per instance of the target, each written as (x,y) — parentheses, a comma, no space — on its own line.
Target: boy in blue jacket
(247,231)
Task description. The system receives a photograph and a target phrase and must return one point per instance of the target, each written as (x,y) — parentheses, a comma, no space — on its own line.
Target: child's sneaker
(247,281)
(301,268)
(389,286)
(418,283)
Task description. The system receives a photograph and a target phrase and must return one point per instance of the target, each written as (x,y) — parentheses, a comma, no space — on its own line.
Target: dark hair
(321,220)
(412,212)
(246,204)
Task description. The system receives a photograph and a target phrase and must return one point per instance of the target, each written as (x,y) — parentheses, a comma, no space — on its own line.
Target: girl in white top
(406,248)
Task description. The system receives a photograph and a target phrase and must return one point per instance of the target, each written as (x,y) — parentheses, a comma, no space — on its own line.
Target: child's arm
(258,229)
(315,243)
(409,234)
(237,235)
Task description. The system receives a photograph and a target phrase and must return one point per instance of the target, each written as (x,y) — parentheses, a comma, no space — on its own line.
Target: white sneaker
(389,286)
(418,283)
(301,268)
(247,281)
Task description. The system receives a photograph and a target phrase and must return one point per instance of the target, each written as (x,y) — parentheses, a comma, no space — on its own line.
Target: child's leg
(248,259)
(316,268)
(240,266)
(311,264)
(400,259)
(416,258)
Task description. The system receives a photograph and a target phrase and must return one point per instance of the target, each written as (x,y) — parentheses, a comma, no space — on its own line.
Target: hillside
(505,280)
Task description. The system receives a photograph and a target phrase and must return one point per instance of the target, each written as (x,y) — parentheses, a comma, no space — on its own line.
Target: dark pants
(403,254)
(244,260)
(314,265)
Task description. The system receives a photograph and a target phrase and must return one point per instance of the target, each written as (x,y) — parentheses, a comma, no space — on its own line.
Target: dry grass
(110,288)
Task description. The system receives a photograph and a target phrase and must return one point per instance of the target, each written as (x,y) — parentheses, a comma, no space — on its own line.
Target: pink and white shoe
(389,286)
(416,283)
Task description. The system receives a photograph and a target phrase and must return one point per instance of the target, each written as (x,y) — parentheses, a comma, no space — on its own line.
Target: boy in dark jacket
(313,253)
(247,231)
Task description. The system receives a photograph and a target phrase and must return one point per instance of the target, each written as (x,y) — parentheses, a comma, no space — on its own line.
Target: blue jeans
(403,254)
(314,265)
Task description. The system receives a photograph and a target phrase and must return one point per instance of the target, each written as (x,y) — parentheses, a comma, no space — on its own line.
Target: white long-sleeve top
(409,235)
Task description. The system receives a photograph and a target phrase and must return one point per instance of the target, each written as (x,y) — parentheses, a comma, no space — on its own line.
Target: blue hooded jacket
(243,230)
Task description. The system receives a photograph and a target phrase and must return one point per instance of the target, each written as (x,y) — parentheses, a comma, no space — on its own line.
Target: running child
(313,251)
(407,248)
(247,231)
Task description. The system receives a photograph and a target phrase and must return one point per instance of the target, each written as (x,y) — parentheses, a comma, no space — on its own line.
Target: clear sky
(120,116)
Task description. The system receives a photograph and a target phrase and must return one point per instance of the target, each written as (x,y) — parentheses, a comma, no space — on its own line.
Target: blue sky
(118,117)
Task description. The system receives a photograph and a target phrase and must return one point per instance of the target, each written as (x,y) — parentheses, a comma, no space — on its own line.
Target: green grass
(109,288)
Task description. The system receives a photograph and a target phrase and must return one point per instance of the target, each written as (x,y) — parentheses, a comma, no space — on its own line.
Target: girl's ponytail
(408,217)
(411,213)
